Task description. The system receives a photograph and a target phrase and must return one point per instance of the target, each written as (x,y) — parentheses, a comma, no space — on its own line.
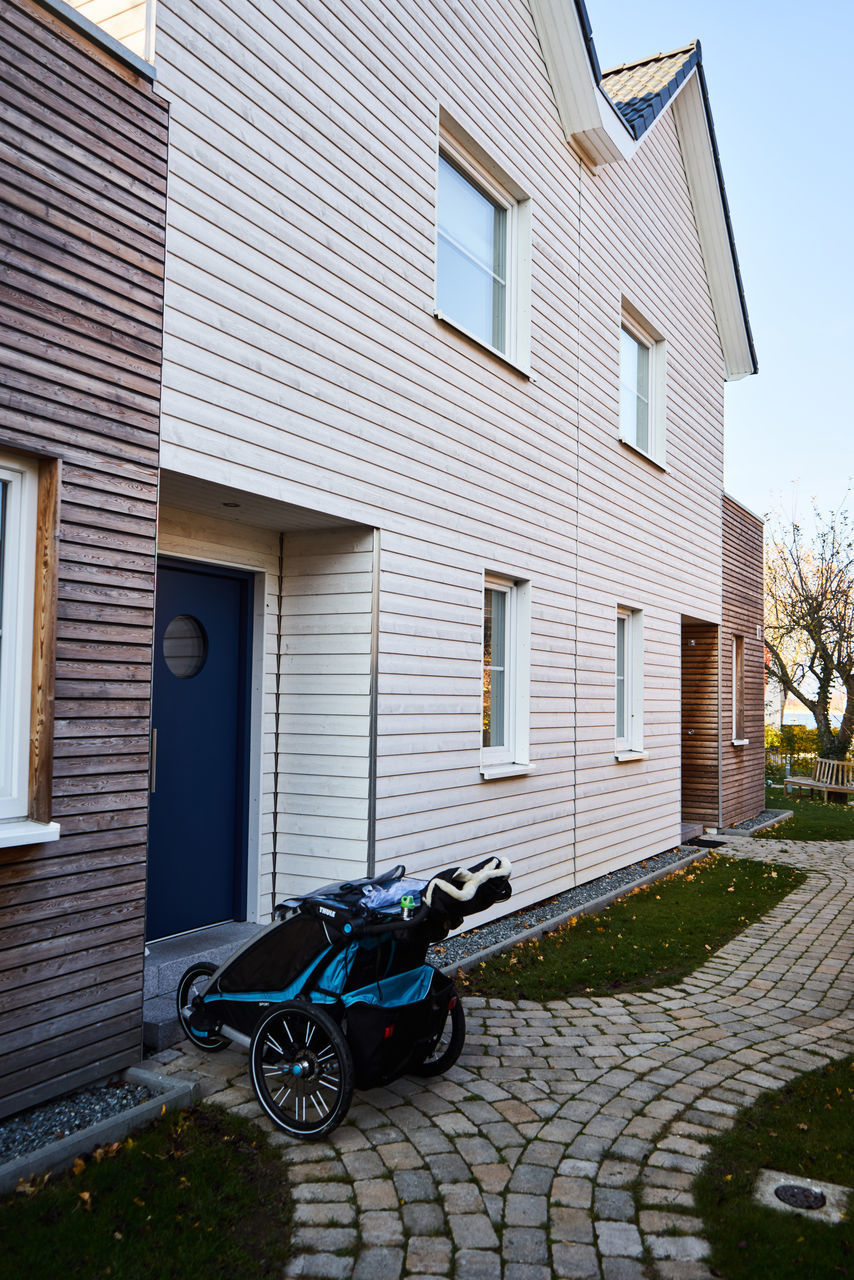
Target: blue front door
(197,819)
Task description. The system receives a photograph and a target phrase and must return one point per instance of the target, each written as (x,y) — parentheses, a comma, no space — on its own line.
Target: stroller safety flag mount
(336,993)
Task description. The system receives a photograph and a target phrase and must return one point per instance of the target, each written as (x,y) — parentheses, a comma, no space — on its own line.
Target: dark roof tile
(639,90)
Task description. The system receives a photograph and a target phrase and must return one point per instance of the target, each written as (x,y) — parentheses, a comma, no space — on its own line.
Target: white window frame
(738,736)
(628,684)
(475,165)
(512,756)
(646,335)
(20,482)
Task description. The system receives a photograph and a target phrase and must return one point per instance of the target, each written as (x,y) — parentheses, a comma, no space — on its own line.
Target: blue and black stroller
(337,993)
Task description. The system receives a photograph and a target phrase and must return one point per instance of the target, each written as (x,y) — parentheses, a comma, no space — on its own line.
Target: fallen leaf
(78,1166)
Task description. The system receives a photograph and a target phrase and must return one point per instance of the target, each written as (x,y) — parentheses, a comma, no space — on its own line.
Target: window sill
(22,831)
(489,771)
(642,453)
(523,369)
(740,742)
(626,757)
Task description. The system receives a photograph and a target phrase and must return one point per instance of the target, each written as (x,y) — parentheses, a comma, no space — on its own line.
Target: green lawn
(199,1194)
(805,1129)
(811,820)
(651,938)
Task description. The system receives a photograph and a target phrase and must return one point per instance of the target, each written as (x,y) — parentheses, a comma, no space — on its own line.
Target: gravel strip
(453,950)
(33,1129)
(763,819)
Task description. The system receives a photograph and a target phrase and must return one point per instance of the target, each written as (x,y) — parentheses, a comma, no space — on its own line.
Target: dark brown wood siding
(700,724)
(81,281)
(743,767)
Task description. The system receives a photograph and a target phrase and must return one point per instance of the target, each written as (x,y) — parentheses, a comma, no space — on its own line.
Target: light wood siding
(124,20)
(324,721)
(701,760)
(303,363)
(84,174)
(649,538)
(743,767)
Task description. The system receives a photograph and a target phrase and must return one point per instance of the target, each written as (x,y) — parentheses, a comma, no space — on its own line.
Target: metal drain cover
(798,1197)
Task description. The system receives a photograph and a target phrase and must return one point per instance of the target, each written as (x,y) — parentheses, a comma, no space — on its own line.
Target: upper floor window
(642,387)
(18,500)
(483,253)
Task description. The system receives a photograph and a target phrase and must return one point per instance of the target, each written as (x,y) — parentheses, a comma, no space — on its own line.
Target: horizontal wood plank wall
(743,767)
(649,537)
(124,20)
(84,174)
(325,709)
(700,725)
(303,362)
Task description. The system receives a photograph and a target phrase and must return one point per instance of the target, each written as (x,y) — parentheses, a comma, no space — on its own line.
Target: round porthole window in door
(185,646)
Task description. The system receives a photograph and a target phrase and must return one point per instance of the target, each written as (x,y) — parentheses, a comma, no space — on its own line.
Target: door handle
(152,766)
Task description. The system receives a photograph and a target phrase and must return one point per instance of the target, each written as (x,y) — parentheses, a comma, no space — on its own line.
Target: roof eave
(694,126)
(589,119)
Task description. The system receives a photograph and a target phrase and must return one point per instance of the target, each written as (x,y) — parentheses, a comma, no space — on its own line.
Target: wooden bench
(828,775)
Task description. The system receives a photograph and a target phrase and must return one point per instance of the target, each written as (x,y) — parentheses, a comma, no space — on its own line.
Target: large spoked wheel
(449,1045)
(302,1069)
(194,983)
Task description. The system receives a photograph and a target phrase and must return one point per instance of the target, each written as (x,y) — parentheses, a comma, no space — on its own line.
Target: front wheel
(449,1044)
(302,1069)
(195,983)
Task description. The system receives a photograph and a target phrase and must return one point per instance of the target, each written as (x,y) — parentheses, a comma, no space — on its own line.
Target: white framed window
(628,683)
(642,386)
(505,738)
(18,505)
(483,242)
(738,737)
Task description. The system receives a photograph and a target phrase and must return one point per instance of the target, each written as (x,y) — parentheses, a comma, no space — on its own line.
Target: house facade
(444,357)
(448,315)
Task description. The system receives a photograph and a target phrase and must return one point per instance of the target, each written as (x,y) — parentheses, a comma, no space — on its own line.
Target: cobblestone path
(564,1143)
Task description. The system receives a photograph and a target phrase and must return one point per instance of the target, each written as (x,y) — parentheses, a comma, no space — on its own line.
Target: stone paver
(565,1141)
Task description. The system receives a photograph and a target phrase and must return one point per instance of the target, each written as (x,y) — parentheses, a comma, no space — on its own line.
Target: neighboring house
(81,279)
(448,317)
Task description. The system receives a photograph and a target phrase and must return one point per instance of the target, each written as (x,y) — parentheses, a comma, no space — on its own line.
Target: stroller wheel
(301,1069)
(449,1045)
(194,983)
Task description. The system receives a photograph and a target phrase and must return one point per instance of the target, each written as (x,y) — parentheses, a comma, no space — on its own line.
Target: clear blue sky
(779,78)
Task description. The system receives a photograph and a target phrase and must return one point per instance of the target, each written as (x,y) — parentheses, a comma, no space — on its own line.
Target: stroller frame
(337,994)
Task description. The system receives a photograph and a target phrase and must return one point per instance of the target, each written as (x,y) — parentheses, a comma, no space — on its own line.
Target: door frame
(247,859)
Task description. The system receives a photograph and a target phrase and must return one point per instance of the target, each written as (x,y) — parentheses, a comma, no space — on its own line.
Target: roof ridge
(653,57)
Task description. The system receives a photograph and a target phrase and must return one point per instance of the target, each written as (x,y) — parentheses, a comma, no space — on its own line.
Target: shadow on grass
(200,1193)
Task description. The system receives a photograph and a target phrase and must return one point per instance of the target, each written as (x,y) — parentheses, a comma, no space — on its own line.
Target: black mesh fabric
(277,957)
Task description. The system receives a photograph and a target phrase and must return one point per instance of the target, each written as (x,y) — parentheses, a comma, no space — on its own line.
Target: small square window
(642,388)
(482,251)
(628,720)
(506,678)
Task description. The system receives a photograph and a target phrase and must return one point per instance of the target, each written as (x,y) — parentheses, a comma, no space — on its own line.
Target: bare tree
(809,622)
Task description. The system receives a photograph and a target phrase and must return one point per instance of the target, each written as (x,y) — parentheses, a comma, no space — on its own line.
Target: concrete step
(165,963)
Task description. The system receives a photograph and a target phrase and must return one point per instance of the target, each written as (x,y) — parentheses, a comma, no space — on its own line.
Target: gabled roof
(605,116)
(641,90)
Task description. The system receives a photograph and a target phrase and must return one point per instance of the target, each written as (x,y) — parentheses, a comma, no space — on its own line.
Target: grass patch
(651,938)
(805,1129)
(811,819)
(199,1193)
